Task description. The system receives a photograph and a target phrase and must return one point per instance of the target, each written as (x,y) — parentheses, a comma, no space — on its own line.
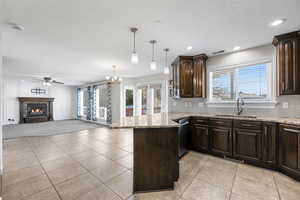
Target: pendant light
(166,68)
(153,63)
(134,55)
(114,77)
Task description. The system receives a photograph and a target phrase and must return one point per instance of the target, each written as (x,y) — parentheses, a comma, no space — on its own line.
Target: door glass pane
(144,100)
(85,101)
(157,99)
(128,102)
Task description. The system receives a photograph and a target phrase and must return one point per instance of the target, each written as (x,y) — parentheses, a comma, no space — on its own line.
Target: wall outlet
(285,105)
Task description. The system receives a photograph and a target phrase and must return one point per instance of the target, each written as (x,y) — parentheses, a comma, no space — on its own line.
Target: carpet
(46,128)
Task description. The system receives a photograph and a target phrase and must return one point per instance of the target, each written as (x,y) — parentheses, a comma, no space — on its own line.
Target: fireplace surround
(35,109)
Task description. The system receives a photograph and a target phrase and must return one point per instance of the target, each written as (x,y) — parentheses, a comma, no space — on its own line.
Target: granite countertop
(166,120)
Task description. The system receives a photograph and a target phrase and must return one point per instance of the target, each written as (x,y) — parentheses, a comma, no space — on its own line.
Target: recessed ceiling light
(236,48)
(189,48)
(277,22)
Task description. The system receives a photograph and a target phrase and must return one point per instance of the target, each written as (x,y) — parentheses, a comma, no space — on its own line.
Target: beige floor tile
(217,177)
(116,154)
(45,157)
(93,163)
(58,163)
(247,187)
(102,192)
(122,185)
(84,155)
(19,164)
(107,172)
(48,194)
(14,157)
(256,174)
(200,190)
(164,195)
(22,174)
(27,187)
(127,161)
(128,148)
(289,189)
(66,172)
(240,197)
(221,164)
(78,186)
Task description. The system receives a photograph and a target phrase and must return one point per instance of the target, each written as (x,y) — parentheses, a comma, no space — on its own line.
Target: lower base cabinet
(199,138)
(289,150)
(265,144)
(220,141)
(247,145)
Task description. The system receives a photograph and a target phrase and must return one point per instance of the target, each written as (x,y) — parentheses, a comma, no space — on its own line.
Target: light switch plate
(285,105)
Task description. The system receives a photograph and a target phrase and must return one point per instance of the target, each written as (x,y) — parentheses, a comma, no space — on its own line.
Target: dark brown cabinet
(220,141)
(289,149)
(189,76)
(199,77)
(288,63)
(247,145)
(199,138)
(269,141)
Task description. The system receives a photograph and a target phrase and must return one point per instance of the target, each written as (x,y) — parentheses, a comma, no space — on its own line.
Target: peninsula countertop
(164,120)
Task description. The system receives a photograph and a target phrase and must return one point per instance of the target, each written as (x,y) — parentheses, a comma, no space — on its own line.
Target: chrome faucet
(239,105)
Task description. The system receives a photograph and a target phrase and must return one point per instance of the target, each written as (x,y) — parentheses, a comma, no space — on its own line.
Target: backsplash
(200,106)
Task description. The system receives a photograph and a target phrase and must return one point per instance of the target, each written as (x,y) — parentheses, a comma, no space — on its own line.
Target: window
(144,100)
(250,82)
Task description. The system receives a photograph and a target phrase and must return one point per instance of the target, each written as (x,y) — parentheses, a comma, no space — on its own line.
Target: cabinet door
(175,67)
(288,66)
(247,145)
(220,141)
(269,140)
(289,148)
(199,77)
(186,78)
(199,138)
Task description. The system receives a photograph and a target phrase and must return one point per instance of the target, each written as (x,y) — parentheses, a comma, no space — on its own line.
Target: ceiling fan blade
(57,82)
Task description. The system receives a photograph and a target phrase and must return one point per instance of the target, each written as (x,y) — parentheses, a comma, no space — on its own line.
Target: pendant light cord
(153,51)
(133,42)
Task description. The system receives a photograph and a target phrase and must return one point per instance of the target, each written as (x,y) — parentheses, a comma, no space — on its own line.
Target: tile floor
(97,165)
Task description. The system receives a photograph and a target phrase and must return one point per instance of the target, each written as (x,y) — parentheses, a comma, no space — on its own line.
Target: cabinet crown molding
(285,36)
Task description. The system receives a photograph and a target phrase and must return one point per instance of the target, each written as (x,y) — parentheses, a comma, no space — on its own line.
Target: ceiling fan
(48,81)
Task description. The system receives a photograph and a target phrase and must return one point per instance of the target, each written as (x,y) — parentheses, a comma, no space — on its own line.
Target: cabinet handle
(291,130)
(247,125)
(220,122)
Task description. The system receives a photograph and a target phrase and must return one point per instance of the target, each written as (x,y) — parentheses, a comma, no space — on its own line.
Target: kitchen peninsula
(272,143)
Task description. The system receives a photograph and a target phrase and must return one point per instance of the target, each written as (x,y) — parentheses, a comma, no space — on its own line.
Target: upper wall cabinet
(288,63)
(189,76)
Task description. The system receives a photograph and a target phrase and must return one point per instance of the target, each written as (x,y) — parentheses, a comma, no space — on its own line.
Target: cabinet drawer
(247,124)
(220,122)
(199,120)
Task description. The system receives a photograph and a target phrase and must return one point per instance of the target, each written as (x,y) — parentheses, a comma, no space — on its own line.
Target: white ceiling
(77,41)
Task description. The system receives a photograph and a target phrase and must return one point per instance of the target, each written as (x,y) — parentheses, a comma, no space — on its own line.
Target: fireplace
(35,109)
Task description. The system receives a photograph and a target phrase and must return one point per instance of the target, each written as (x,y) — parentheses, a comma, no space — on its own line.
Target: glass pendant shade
(166,70)
(134,58)
(153,66)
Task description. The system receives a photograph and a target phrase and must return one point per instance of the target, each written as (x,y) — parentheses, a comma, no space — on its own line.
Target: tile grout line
(181,195)
(277,189)
(46,174)
(234,179)
(89,172)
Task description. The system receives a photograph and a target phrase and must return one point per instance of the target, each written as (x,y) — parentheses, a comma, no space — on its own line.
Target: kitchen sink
(237,116)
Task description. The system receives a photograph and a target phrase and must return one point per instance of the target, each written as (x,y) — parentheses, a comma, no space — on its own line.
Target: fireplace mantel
(25,101)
